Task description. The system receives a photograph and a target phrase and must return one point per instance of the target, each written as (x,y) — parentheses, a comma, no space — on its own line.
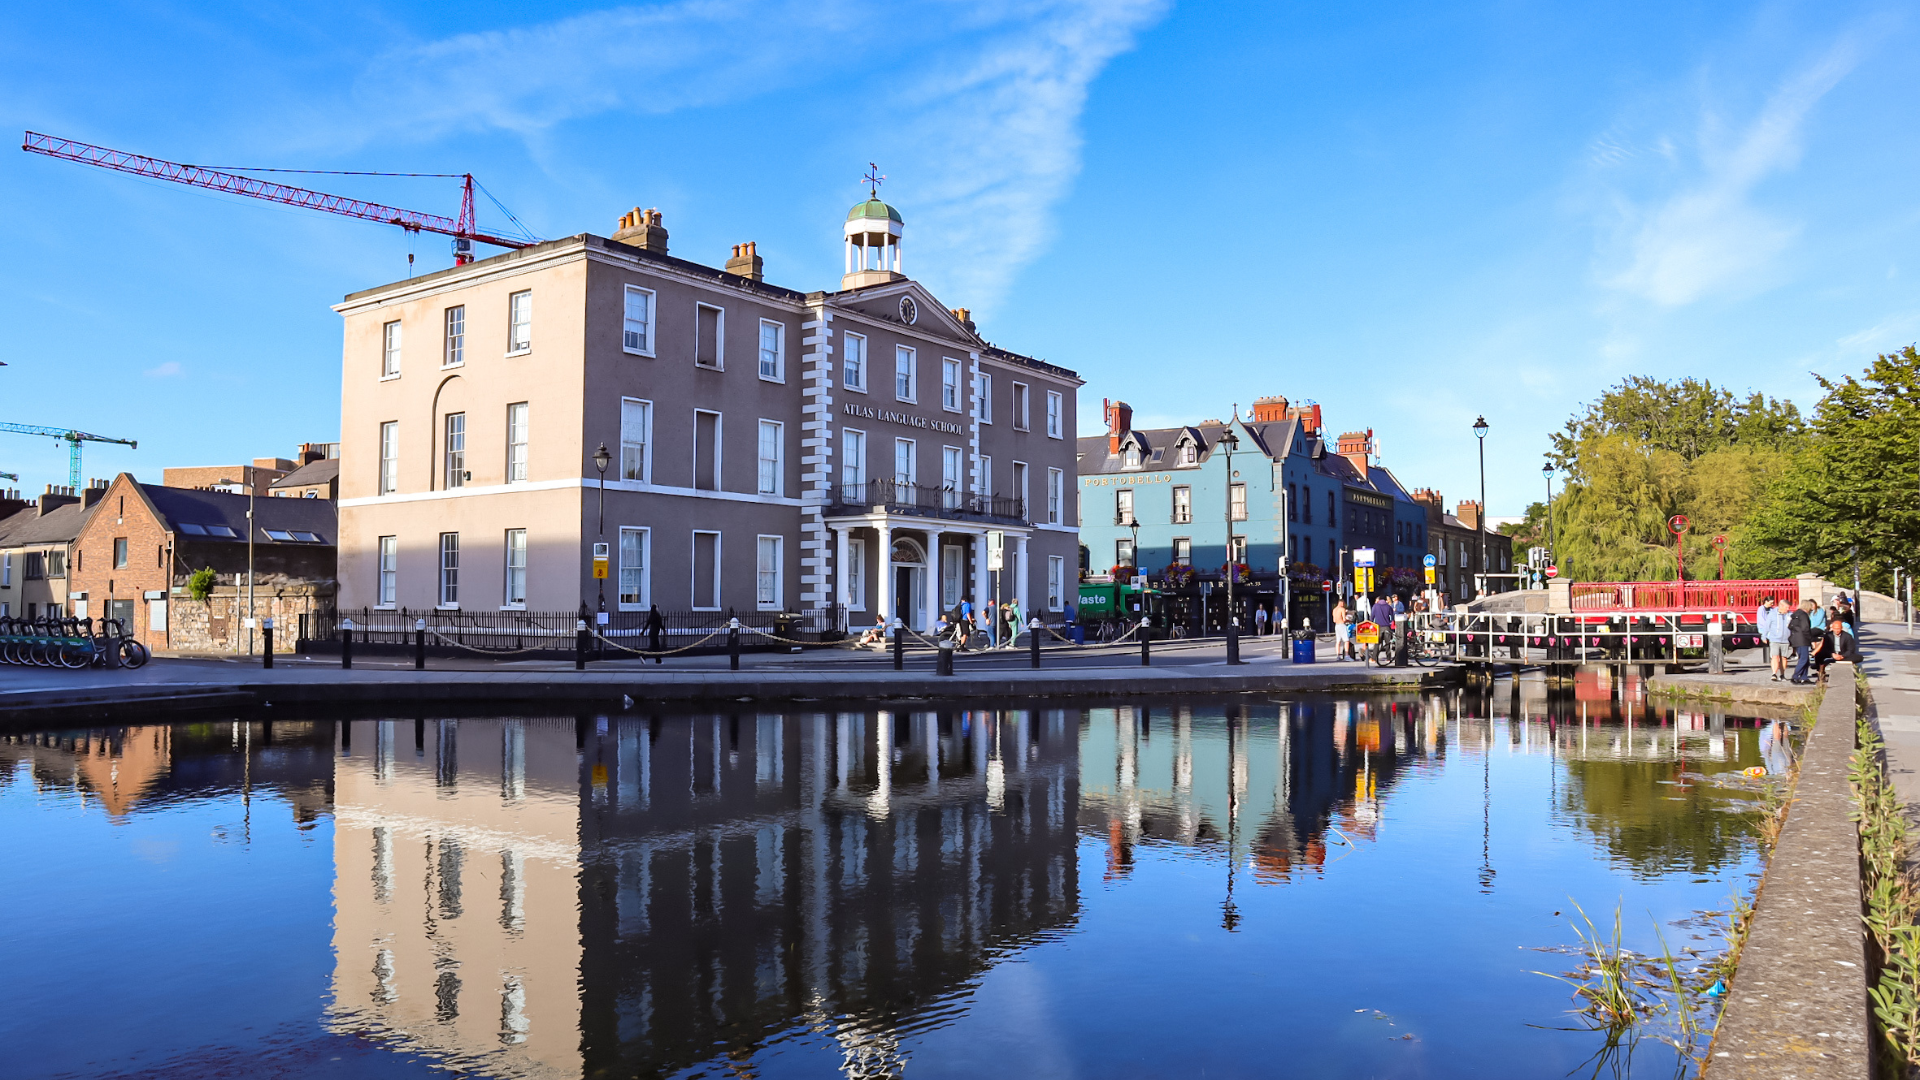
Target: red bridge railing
(1736,596)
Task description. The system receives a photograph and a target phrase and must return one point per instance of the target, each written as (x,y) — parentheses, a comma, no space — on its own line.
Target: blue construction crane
(73,439)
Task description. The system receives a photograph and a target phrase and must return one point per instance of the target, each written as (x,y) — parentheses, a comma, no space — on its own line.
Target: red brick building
(136,554)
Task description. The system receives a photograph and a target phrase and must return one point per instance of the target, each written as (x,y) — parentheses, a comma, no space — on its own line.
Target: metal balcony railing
(900,497)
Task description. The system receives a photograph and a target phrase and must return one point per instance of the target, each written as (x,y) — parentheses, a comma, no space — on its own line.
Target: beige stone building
(839,453)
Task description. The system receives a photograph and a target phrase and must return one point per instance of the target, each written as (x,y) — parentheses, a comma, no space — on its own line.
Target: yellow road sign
(599,568)
(1367,633)
(1429,575)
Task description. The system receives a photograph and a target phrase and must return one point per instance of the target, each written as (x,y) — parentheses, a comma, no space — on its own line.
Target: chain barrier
(666,652)
(491,652)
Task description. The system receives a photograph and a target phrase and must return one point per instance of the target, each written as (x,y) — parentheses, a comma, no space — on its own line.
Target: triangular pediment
(929,315)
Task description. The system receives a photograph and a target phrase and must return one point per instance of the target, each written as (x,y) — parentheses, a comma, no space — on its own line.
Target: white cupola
(873,243)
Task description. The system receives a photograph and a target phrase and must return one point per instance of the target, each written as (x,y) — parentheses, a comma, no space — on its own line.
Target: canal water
(1243,887)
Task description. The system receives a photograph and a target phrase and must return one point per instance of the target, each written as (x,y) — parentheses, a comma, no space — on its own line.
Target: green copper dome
(874,208)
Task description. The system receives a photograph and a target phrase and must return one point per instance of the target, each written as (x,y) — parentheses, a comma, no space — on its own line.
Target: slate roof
(312,474)
(58,526)
(209,510)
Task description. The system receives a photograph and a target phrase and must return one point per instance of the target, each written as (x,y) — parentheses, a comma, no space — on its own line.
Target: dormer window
(1133,457)
(1189,454)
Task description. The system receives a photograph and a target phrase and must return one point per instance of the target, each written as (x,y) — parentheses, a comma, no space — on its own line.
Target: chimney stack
(1354,446)
(1119,422)
(965,315)
(1269,410)
(642,229)
(1469,514)
(744,261)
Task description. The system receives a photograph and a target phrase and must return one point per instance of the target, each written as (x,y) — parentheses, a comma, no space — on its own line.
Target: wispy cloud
(1703,234)
(170,369)
(981,99)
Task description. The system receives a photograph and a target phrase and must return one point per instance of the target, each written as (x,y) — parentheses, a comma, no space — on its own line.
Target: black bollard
(420,645)
(266,643)
(346,735)
(346,645)
(1146,650)
(580,646)
(1033,643)
(733,645)
(1400,643)
(1233,641)
(900,647)
(943,661)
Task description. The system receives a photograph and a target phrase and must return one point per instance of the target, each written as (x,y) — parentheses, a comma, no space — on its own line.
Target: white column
(840,593)
(979,547)
(932,598)
(1020,578)
(896,256)
(883,575)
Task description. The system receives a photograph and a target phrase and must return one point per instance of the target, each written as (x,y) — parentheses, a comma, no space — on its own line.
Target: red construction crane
(461,229)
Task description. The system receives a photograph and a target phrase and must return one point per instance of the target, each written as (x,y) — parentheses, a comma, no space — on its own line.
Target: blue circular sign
(1429,561)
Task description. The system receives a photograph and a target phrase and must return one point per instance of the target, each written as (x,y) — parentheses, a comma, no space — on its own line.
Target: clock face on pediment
(909,311)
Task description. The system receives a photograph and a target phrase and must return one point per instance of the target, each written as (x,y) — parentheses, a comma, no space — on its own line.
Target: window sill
(1055,435)
(906,400)
(520,352)
(389,378)
(446,607)
(708,367)
(854,389)
(513,607)
(697,608)
(780,379)
(648,353)
(386,607)
(453,366)
(636,607)
(1017,427)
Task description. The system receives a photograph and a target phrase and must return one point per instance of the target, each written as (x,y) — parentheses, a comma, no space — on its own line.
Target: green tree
(1691,418)
(1853,491)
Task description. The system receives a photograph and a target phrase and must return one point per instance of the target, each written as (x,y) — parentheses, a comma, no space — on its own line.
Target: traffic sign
(1367,633)
(1363,556)
(1429,575)
(1553,571)
(600,560)
(1326,586)
(1429,562)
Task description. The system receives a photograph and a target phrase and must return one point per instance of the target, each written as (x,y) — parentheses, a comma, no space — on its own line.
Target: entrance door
(122,610)
(904,602)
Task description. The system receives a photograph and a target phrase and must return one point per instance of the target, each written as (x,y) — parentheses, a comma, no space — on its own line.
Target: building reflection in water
(620,896)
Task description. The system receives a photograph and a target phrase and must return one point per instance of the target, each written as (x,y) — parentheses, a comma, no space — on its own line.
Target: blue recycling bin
(1303,648)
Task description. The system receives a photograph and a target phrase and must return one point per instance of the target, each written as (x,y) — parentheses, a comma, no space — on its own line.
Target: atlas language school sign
(903,419)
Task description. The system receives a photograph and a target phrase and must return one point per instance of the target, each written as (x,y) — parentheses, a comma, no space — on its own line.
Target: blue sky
(1410,213)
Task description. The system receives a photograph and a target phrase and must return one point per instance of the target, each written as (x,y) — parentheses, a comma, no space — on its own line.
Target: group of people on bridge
(1812,638)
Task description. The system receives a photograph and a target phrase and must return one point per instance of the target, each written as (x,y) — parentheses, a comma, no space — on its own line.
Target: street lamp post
(601,459)
(1480,519)
(1229,443)
(1547,472)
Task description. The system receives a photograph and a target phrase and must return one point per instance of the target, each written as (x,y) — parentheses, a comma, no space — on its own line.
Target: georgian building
(844,454)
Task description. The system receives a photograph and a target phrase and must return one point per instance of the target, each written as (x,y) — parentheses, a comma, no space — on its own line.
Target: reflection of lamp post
(1480,519)
(601,459)
(1229,912)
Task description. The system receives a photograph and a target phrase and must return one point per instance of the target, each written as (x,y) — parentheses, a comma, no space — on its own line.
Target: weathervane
(873,179)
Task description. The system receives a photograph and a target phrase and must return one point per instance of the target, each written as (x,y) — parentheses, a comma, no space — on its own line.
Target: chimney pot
(642,229)
(745,262)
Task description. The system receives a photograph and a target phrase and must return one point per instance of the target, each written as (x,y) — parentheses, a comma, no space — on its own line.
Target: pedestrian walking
(655,625)
(1013,621)
(1342,632)
(1260,621)
(1800,635)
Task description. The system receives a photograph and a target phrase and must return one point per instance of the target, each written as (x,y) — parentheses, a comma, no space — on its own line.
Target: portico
(916,568)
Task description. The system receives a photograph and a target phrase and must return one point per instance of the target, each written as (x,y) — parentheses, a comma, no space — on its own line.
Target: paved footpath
(31,696)
(1893,674)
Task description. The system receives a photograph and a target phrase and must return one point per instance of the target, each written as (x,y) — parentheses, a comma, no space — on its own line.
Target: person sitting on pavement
(1835,644)
(875,635)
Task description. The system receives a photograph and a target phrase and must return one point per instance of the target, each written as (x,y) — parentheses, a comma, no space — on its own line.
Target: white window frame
(719,337)
(1056,415)
(855,573)
(853,368)
(1056,582)
(514,578)
(520,322)
(719,441)
(1020,471)
(1182,514)
(645,441)
(1125,544)
(517,454)
(1056,495)
(644,333)
(693,567)
(986,475)
(386,582)
(772,472)
(983,398)
(1238,544)
(911,475)
(453,344)
(912,358)
(761,599)
(779,351)
(453,468)
(447,583)
(953,480)
(1237,501)
(1124,513)
(6,568)
(853,463)
(1022,407)
(643,574)
(389,479)
(950,375)
(1183,556)
(390,348)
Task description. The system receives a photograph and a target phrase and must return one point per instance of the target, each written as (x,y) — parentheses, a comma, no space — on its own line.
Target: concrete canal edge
(1723,689)
(1798,1005)
(248,688)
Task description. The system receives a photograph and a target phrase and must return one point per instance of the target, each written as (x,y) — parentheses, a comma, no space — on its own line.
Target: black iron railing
(554,630)
(900,497)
